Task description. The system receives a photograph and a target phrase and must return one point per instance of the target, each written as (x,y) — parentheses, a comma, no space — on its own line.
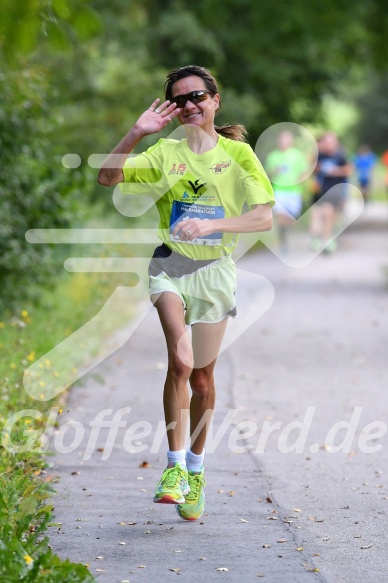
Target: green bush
(36,191)
(24,515)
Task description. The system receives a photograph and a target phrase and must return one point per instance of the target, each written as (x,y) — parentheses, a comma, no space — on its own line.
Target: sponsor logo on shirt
(195,186)
(220,167)
(202,197)
(178,169)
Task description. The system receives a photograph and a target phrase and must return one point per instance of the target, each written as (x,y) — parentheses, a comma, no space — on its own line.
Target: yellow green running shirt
(211,185)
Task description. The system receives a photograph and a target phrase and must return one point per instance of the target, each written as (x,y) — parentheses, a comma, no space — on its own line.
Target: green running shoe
(194,504)
(173,486)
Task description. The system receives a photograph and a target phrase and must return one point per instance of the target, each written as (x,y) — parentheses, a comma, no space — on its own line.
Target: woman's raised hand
(156,118)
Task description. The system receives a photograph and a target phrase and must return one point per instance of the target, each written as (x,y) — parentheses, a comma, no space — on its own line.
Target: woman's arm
(255,220)
(111,171)
(150,122)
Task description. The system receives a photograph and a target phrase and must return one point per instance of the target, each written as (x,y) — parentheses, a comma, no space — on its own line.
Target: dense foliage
(36,191)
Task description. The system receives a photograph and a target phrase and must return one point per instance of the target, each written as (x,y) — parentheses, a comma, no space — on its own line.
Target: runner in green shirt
(286,166)
(200,184)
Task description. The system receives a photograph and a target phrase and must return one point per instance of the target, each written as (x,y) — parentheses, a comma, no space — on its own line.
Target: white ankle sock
(177,456)
(194,462)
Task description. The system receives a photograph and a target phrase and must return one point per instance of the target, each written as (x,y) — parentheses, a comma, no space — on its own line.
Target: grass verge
(26,488)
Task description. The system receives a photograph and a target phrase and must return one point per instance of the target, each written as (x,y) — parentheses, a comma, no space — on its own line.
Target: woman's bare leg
(206,340)
(180,361)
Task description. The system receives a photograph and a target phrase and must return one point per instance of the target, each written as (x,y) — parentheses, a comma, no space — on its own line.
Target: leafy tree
(36,191)
(283,57)
(372,128)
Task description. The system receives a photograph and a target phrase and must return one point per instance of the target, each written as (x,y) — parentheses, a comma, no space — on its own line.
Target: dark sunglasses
(194,96)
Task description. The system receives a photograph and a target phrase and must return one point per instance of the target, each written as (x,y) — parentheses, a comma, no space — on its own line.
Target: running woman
(200,183)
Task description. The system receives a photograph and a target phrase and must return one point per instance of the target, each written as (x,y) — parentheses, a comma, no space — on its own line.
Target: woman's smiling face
(200,114)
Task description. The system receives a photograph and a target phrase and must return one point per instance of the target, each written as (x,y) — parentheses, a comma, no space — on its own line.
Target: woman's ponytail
(233,132)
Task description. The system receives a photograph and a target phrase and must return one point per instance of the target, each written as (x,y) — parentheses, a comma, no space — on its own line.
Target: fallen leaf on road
(141,567)
(260,575)
(131,523)
(367,546)
(268,499)
(202,559)
(122,543)
(99,557)
(231,493)
(282,540)
(266,546)
(272,518)
(175,569)
(144,465)
(243,520)
(300,549)
(296,510)
(222,569)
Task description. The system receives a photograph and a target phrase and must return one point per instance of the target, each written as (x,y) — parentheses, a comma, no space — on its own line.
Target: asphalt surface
(313,354)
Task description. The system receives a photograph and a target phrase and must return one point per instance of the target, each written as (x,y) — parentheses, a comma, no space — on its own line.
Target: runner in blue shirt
(364,162)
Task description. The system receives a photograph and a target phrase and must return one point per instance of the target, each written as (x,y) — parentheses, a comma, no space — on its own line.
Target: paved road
(315,358)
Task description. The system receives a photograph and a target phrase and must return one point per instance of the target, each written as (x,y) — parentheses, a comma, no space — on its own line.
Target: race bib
(182,211)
